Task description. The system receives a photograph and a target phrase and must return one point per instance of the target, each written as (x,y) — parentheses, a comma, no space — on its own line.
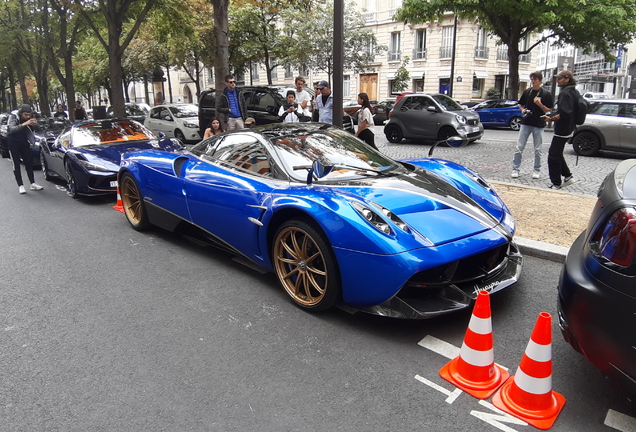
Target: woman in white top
(365,121)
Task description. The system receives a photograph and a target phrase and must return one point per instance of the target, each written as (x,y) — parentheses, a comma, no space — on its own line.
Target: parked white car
(180,121)
(595,96)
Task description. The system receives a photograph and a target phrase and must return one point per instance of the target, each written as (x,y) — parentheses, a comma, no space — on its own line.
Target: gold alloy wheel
(131,200)
(300,266)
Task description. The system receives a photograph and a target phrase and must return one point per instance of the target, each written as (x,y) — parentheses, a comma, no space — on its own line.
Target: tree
(115,14)
(596,25)
(221,48)
(402,77)
(313,48)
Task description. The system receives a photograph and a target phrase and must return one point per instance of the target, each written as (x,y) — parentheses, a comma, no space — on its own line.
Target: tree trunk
(222,52)
(513,70)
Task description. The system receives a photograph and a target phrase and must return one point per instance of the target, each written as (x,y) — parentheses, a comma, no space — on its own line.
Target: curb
(542,250)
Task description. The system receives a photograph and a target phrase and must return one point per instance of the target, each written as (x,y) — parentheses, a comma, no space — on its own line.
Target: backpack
(581,109)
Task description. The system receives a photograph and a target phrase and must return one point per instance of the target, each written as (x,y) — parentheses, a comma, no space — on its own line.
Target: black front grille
(466,270)
(473,122)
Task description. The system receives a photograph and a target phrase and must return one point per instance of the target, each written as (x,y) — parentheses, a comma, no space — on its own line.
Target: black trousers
(21,151)
(557,167)
(368,137)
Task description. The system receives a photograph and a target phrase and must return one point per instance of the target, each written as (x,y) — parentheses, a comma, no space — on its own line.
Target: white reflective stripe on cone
(538,352)
(538,386)
(477,358)
(480,325)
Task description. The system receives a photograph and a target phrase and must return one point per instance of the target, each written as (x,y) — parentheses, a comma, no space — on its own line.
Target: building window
(303,71)
(523,45)
(446,50)
(478,87)
(396,5)
(254,71)
(288,72)
(272,64)
(394,50)
(481,48)
(346,86)
(420,45)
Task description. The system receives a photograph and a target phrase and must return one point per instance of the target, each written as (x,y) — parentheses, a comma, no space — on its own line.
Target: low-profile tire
(45,168)
(515,123)
(180,136)
(393,134)
(445,133)
(586,143)
(133,203)
(306,266)
(71,181)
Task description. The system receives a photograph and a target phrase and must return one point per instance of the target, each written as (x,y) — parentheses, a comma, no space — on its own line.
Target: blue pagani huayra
(337,221)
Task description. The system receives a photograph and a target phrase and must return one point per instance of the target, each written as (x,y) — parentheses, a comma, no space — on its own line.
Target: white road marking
(494,419)
(452,395)
(620,421)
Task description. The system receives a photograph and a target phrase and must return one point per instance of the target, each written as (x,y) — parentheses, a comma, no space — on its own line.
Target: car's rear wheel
(393,134)
(180,136)
(45,169)
(445,133)
(515,123)
(133,203)
(306,265)
(71,182)
(586,143)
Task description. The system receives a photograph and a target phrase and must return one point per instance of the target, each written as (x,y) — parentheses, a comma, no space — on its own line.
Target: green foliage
(402,77)
(493,93)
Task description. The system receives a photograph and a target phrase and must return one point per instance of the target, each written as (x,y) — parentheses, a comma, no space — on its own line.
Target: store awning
(390,76)
(417,75)
(481,74)
(443,75)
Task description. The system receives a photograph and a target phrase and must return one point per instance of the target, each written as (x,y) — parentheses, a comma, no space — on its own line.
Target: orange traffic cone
(528,395)
(474,370)
(119,206)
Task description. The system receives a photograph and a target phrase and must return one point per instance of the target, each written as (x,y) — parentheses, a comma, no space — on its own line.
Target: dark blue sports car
(88,154)
(337,221)
(499,113)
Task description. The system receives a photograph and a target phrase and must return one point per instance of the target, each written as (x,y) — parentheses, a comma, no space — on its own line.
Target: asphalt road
(105,328)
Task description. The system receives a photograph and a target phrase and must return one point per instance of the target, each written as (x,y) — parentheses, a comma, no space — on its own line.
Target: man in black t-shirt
(534,102)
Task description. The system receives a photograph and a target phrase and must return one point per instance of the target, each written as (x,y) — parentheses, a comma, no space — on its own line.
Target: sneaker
(536,174)
(35,186)
(22,190)
(554,187)
(568,181)
(515,173)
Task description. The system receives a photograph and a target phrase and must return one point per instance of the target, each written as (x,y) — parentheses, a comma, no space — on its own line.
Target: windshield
(110,132)
(183,111)
(330,147)
(447,103)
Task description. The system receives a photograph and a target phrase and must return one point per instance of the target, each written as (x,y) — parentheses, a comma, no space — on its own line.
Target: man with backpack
(565,120)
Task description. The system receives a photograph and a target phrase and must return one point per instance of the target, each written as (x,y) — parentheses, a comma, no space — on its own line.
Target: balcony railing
(419,54)
(395,56)
(502,53)
(481,52)
(446,52)
(370,17)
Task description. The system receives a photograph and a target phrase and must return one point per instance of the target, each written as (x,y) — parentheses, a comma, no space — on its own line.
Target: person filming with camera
(534,102)
(20,137)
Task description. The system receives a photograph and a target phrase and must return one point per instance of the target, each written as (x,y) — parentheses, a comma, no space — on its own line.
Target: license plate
(476,129)
(113,184)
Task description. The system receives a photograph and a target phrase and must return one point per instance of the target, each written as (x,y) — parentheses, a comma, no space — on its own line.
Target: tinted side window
(207,100)
(605,109)
(244,152)
(155,113)
(509,104)
(261,100)
(415,103)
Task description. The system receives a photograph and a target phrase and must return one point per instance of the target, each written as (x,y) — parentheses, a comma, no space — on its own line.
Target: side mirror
(162,135)
(431,108)
(453,141)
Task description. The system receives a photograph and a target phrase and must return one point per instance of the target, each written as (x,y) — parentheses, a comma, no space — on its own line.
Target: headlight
(509,222)
(94,167)
(191,125)
(461,119)
(379,222)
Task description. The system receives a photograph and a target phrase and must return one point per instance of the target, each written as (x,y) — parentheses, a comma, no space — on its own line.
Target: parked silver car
(431,118)
(175,120)
(610,125)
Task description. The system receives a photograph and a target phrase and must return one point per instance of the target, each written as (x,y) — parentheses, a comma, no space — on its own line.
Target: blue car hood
(112,153)
(434,207)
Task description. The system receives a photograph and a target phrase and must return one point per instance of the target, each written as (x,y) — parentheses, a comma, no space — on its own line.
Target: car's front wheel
(393,134)
(586,143)
(515,123)
(180,136)
(71,182)
(45,169)
(306,265)
(445,133)
(133,203)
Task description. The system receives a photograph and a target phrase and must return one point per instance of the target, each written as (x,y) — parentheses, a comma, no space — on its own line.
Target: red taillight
(617,239)
(388,115)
